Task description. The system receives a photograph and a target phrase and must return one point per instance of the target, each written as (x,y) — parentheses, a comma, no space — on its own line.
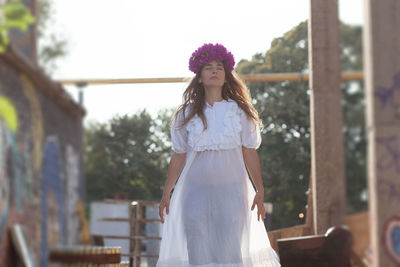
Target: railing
(136,221)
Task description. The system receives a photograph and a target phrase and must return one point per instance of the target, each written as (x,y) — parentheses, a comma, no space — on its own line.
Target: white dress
(210,222)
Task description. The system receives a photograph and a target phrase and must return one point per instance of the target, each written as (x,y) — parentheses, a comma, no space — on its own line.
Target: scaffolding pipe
(269,77)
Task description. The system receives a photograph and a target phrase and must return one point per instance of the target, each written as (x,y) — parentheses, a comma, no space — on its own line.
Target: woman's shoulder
(180,111)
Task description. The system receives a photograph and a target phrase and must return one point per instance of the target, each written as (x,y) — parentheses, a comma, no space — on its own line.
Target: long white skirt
(210,222)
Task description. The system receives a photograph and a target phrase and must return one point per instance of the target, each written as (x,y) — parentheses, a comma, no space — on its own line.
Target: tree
(354,118)
(52,45)
(284,108)
(127,157)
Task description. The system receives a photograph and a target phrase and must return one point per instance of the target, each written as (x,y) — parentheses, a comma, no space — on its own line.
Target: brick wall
(41,178)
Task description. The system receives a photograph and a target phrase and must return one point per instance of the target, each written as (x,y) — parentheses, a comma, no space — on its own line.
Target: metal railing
(265,77)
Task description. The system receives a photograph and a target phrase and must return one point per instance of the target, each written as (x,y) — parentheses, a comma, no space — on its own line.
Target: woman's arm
(175,167)
(252,162)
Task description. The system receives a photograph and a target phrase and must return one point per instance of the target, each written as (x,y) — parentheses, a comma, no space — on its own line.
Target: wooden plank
(132,237)
(85,254)
(294,231)
(19,243)
(326,116)
(332,249)
(94,258)
(128,220)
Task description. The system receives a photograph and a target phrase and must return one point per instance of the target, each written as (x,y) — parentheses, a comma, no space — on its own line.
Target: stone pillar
(326,116)
(382,81)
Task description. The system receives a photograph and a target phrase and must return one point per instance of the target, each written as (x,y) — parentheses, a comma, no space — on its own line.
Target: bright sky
(137,39)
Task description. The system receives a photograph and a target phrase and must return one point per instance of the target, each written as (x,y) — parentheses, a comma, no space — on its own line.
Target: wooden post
(138,232)
(382,80)
(327,142)
(132,222)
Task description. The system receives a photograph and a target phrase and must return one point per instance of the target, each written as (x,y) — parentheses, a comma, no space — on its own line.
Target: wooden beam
(136,237)
(129,220)
(326,116)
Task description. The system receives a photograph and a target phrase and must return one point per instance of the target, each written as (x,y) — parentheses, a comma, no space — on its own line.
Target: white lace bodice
(227,127)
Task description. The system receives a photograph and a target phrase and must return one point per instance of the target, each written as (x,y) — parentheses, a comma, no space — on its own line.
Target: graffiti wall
(40,164)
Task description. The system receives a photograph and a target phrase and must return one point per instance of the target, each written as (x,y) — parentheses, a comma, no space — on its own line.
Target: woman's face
(213,74)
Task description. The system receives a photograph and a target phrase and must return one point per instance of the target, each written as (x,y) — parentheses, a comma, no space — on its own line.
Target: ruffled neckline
(215,103)
(228,138)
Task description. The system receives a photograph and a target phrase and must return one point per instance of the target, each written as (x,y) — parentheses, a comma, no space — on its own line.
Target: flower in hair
(209,52)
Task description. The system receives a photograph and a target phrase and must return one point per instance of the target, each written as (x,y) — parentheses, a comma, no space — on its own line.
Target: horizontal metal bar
(264,77)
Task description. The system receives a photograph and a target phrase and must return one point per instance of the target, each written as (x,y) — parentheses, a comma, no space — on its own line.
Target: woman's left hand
(259,201)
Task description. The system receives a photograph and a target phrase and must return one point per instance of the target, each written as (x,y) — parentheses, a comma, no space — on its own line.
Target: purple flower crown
(209,52)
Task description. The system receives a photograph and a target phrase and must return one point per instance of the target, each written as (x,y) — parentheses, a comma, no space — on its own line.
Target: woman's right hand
(176,164)
(164,204)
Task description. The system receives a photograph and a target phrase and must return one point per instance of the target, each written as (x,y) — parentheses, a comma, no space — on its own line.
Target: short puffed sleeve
(179,135)
(250,134)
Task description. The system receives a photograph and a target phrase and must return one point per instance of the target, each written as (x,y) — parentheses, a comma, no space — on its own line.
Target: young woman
(211,219)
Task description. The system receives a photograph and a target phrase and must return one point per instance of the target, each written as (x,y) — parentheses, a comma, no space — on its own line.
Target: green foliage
(284,108)
(127,157)
(52,45)
(13,15)
(354,118)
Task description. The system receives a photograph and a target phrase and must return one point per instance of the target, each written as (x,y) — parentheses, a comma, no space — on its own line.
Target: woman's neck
(212,96)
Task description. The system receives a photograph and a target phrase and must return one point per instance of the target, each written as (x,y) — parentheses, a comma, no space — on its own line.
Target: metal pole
(260,77)
(81,86)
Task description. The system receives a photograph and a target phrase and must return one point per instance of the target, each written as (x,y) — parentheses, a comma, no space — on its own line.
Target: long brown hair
(234,89)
